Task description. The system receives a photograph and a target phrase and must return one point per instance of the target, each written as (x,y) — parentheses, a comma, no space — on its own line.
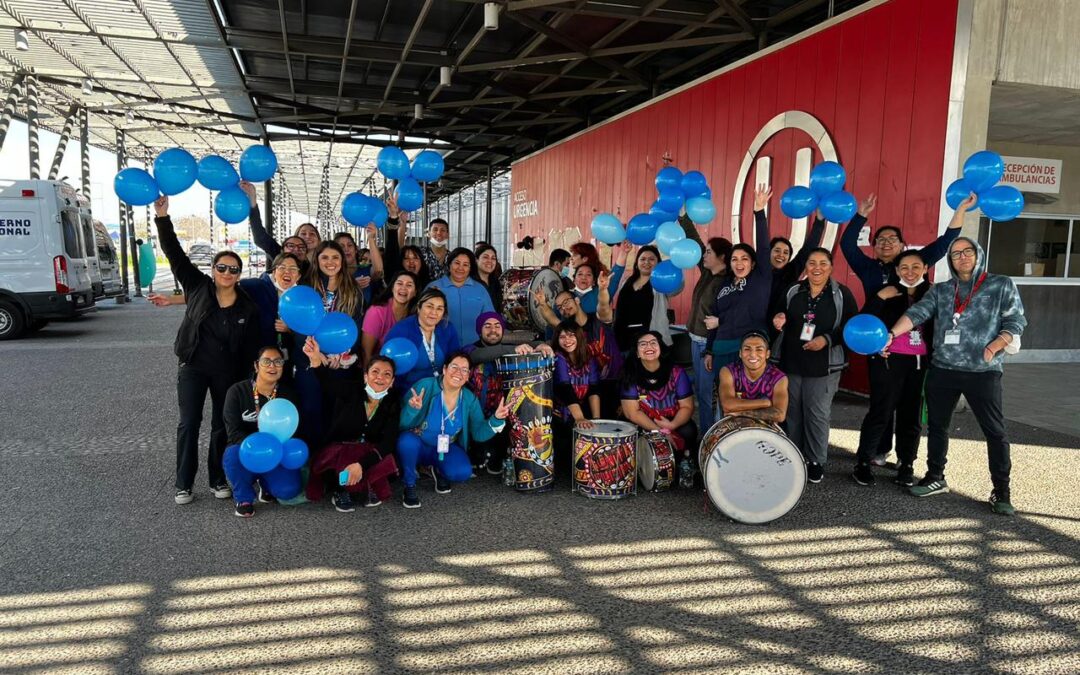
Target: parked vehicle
(89,242)
(108,262)
(202,255)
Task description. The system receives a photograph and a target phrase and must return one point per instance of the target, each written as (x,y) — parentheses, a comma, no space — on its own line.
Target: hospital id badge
(952,337)
(444,445)
(807,332)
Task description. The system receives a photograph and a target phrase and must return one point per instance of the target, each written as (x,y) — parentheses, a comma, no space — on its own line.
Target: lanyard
(811,304)
(429,347)
(959,307)
(255,395)
(444,415)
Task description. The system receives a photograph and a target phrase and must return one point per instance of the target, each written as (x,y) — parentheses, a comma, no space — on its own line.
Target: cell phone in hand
(343,477)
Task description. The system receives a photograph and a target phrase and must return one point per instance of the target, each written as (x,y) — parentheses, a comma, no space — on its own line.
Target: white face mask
(438,243)
(566,272)
(375,395)
(914,285)
(582,291)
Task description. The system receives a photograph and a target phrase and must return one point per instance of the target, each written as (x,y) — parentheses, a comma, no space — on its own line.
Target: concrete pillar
(61,147)
(10,102)
(32,127)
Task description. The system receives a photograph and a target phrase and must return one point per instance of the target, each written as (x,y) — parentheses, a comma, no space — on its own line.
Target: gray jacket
(995,308)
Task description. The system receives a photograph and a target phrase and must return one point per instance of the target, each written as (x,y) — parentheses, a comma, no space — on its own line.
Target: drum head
(754,475)
(646,463)
(552,284)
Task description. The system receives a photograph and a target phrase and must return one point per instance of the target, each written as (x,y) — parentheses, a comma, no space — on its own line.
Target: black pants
(191,387)
(491,452)
(983,393)
(895,387)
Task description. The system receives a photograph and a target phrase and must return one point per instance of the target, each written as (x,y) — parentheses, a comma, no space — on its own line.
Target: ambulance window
(88,235)
(69,221)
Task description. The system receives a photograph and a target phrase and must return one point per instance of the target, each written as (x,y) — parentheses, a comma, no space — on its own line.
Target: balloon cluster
(273,445)
(302,310)
(427,167)
(982,171)
(826,192)
(175,170)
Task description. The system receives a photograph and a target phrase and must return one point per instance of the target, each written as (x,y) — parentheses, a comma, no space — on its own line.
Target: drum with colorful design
(605,460)
(526,379)
(520,284)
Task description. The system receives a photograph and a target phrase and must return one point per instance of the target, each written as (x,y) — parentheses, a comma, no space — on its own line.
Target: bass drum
(519,296)
(753,473)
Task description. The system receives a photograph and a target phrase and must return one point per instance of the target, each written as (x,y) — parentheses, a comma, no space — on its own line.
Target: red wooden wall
(879,82)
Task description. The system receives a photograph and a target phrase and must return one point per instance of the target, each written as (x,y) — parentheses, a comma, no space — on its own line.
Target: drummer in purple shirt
(751,386)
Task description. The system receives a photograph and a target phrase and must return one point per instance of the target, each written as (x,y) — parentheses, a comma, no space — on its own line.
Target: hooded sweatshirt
(994,308)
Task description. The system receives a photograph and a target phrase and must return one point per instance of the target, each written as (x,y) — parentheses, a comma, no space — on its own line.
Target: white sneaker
(222,491)
(184,497)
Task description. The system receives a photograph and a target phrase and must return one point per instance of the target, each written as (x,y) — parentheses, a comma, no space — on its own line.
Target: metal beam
(32,127)
(331,47)
(121,163)
(84,151)
(61,147)
(9,107)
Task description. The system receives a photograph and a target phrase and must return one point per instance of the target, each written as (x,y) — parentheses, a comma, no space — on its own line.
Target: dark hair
(428,294)
(356,254)
(756,334)
(229,254)
(781,240)
(720,246)
(559,255)
(908,253)
(474,272)
(266,348)
(636,274)
(282,257)
(592,267)
(580,354)
(435,221)
(348,298)
(634,372)
(379,358)
(894,228)
(820,249)
(425,273)
(387,294)
(745,248)
(293,236)
(456,354)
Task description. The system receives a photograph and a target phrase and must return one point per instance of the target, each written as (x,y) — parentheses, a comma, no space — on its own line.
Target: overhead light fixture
(418,111)
(88,86)
(444,75)
(22,40)
(491,16)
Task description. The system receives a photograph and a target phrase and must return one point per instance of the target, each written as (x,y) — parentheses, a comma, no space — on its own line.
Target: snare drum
(753,473)
(605,465)
(526,379)
(656,461)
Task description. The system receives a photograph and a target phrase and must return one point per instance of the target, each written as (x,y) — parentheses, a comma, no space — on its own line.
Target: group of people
(765,328)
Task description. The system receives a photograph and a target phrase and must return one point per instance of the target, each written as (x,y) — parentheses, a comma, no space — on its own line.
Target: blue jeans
(454,465)
(703,384)
(281,482)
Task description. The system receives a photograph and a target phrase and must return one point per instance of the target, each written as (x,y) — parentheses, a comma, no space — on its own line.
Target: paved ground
(101,572)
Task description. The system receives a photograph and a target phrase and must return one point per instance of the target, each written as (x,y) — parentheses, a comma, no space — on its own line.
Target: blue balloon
(798,202)
(694,184)
(826,178)
(427,167)
(707,194)
(393,163)
(258,163)
(1001,203)
(279,418)
(685,253)
(642,229)
(175,170)
(294,454)
(671,200)
(336,333)
(662,215)
(301,308)
(215,173)
(957,192)
(410,196)
(666,277)
(838,207)
(667,234)
(982,170)
(866,334)
(232,205)
(668,178)
(357,209)
(700,210)
(380,215)
(260,452)
(608,229)
(402,352)
(135,186)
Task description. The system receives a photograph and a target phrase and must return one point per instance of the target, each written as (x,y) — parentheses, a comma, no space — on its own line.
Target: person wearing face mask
(243,402)
(466,297)
(395,303)
(362,435)
(219,331)
(437,423)
(896,376)
(978,318)
(559,262)
(489,274)
(430,333)
(751,386)
(435,254)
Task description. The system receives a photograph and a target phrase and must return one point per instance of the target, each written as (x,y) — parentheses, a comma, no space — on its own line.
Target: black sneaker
(905,475)
(222,491)
(999,503)
(494,466)
(442,486)
(245,510)
(409,498)
(372,500)
(343,502)
(265,497)
(814,472)
(184,497)
(863,475)
(929,486)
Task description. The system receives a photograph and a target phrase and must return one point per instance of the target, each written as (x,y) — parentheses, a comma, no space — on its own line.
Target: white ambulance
(44,252)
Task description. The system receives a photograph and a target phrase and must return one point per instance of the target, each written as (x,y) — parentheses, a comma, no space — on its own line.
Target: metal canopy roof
(328,82)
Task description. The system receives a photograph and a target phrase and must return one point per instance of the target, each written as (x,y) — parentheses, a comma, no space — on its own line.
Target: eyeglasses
(887,240)
(223,268)
(568,303)
(266,362)
(648,343)
(293,246)
(457,369)
(291,269)
(963,253)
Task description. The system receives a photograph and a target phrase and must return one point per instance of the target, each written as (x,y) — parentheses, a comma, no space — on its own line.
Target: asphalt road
(101,572)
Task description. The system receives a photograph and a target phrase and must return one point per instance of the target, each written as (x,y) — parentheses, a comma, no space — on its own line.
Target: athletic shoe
(494,467)
(245,510)
(184,497)
(343,501)
(372,500)
(265,497)
(928,487)
(880,460)
(409,498)
(863,475)
(222,491)
(814,472)
(999,503)
(905,475)
(442,486)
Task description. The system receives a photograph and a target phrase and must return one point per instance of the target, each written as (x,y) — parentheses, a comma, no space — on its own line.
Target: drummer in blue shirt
(466,297)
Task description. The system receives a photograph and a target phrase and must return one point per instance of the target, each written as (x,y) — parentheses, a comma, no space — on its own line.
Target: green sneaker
(999,503)
(928,487)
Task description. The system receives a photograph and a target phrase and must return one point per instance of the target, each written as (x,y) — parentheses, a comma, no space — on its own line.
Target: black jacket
(890,311)
(794,360)
(350,422)
(239,409)
(202,301)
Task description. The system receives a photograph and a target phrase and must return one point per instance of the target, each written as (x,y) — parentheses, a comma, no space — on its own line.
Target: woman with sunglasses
(440,417)
(243,402)
(219,331)
(430,333)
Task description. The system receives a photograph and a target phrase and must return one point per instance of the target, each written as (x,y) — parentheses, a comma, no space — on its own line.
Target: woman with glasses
(243,402)
(657,395)
(430,333)
(218,337)
(439,418)
(301,244)
(466,297)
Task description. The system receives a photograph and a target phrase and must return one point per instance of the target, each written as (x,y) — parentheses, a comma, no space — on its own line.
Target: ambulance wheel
(12,323)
